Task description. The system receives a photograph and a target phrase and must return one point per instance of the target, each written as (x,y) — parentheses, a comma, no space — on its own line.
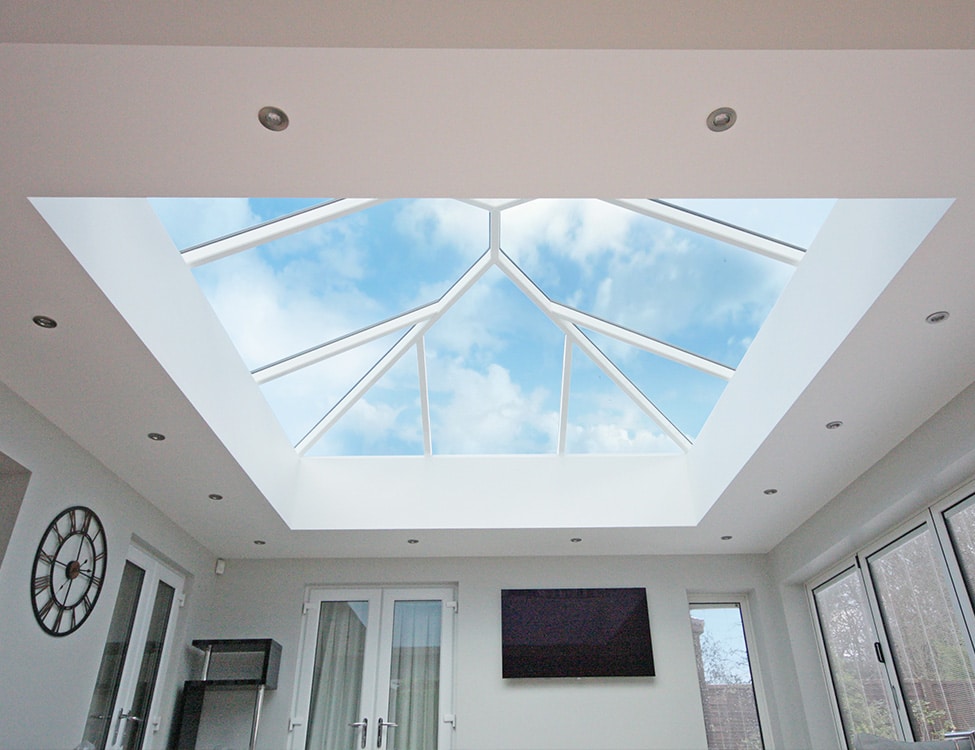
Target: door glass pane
(930,655)
(414,676)
(113,657)
(135,727)
(961,527)
(727,692)
(859,680)
(337,677)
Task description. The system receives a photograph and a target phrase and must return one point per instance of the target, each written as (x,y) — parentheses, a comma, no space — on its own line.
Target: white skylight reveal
(447,327)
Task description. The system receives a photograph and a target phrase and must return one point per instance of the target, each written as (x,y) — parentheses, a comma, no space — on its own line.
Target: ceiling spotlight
(934,318)
(42,321)
(157,436)
(771,491)
(259,542)
(726,538)
(215,496)
(722,119)
(576,539)
(273,118)
(834,425)
(412,541)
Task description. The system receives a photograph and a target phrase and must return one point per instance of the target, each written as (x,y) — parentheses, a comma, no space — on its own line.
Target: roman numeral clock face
(69,569)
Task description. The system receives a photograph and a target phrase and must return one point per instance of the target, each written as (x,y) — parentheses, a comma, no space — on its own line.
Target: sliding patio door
(375,670)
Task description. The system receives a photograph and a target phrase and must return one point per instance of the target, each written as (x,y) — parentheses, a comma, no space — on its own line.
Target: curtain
(414,679)
(337,678)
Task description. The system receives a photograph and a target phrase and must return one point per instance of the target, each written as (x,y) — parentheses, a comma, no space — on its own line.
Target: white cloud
(192,221)
(271,314)
(575,230)
(486,412)
(444,223)
(616,426)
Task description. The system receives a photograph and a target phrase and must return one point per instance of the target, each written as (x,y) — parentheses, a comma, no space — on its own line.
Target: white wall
(262,599)
(13,485)
(47,681)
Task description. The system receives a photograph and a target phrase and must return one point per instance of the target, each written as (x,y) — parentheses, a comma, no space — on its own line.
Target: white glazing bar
(527,286)
(359,389)
(625,385)
(564,401)
(392,356)
(492,203)
(495,234)
(421,371)
(714,229)
(344,344)
(274,230)
(646,343)
(518,277)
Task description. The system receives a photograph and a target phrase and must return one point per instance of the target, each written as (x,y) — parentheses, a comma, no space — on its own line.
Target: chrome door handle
(122,716)
(365,728)
(379,730)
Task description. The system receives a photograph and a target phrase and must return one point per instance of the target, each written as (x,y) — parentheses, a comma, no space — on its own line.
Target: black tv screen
(575,633)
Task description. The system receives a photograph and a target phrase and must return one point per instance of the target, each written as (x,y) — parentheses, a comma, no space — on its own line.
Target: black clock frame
(72,549)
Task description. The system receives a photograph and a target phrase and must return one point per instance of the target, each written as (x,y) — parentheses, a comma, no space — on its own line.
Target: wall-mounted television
(575,633)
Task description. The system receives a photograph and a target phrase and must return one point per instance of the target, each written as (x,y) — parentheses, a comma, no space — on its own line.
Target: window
(491,326)
(895,625)
(731,715)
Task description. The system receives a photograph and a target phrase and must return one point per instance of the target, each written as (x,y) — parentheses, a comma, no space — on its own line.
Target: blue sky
(494,360)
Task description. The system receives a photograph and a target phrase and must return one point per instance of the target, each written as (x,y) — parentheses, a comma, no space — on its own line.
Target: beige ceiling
(461,99)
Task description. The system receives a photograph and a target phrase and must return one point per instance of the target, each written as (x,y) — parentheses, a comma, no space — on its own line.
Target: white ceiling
(486,114)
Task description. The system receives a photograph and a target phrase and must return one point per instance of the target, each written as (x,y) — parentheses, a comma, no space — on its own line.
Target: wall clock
(69,569)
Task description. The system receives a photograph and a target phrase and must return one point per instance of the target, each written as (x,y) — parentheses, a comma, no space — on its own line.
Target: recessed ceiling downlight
(771,491)
(934,318)
(42,321)
(412,541)
(215,496)
(156,436)
(576,539)
(259,542)
(722,119)
(726,538)
(273,118)
(834,425)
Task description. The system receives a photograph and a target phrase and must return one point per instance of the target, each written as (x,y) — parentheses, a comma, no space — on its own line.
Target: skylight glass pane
(386,421)
(302,398)
(794,221)
(494,359)
(341,276)
(494,364)
(603,419)
(685,395)
(193,221)
(644,274)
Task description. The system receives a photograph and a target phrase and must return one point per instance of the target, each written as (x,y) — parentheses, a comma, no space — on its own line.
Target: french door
(375,671)
(124,711)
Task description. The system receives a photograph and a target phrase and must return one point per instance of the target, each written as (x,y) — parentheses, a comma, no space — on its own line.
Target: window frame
(962,605)
(740,600)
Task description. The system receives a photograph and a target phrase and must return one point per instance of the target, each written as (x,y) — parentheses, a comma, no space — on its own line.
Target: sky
(494,359)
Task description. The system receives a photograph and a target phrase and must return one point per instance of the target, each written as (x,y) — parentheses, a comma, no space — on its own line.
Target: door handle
(365,728)
(379,730)
(123,716)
